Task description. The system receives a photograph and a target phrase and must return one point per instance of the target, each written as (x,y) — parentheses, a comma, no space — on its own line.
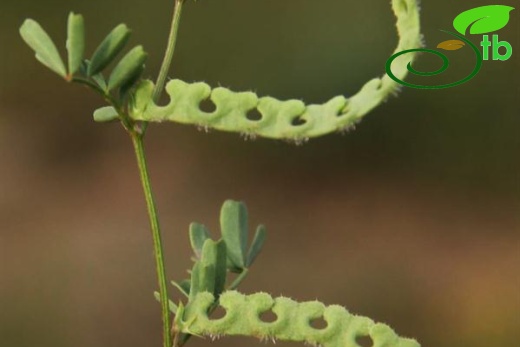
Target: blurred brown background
(413,219)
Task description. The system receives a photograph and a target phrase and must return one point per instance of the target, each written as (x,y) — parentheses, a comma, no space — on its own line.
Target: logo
(480,21)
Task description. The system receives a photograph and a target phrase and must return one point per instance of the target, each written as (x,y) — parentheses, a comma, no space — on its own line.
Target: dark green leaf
(185,284)
(127,68)
(132,81)
(220,268)
(198,235)
(113,43)
(482,20)
(46,52)
(75,41)
(209,274)
(105,114)
(256,245)
(100,80)
(233,224)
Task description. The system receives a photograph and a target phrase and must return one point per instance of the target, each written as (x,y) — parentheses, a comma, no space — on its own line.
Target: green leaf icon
(482,20)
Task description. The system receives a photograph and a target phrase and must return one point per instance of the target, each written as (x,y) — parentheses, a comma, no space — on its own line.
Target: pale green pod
(293,321)
(291,119)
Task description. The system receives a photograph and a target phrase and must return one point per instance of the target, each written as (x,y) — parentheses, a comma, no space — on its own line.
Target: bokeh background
(412,219)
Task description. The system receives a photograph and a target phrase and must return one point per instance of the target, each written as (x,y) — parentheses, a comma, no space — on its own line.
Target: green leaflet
(256,245)
(40,42)
(105,114)
(234,229)
(293,322)
(290,119)
(198,235)
(126,70)
(75,41)
(171,305)
(108,49)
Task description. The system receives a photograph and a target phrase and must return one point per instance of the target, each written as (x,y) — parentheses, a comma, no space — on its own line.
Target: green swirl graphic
(445,64)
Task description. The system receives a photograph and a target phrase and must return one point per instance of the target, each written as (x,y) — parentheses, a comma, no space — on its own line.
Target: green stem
(168,55)
(170,49)
(156,233)
(137,139)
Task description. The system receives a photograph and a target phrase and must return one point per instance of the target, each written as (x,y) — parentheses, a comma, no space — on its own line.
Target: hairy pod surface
(293,321)
(290,119)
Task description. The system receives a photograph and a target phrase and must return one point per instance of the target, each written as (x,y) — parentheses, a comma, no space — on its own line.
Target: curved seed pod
(293,321)
(127,68)
(291,119)
(75,41)
(40,42)
(107,50)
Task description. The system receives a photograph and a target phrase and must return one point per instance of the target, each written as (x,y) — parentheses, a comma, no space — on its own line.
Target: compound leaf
(40,42)
(482,20)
